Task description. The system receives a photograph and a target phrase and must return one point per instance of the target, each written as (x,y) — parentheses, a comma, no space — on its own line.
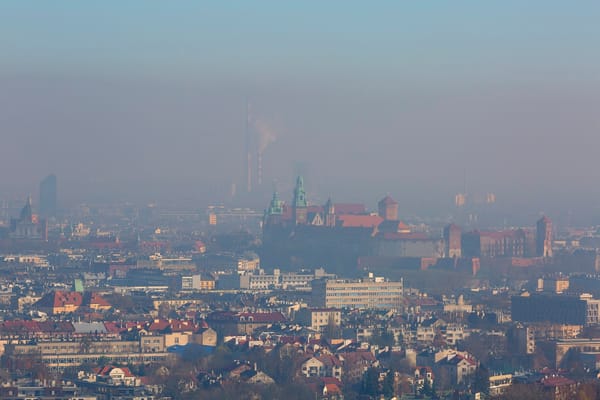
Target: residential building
(553,284)
(323,365)
(561,309)
(423,376)
(455,333)
(243,323)
(366,293)
(58,355)
(319,318)
(197,282)
(457,367)
(425,334)
(499,384)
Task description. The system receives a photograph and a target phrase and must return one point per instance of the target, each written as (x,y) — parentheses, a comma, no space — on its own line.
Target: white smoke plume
(265,134)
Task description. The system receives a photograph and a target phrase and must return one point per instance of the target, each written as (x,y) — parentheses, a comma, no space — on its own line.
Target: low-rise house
(559,388)
(244,323)
(423,376)
(256,377)
(356,363)
(425,334)
(64,302)
(322,366)
(318,318)
(455,333)
(457,368)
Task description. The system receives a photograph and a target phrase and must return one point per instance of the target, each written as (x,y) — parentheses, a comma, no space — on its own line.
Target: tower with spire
(28,225)
(274,212)
(329,212)
(27,212)
(299,205)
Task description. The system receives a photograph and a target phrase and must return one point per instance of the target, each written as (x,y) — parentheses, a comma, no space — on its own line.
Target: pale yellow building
(366,293)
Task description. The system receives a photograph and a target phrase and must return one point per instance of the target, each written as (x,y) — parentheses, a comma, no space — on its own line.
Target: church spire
(329,213)
(299,193)
(299,205)
(27,212)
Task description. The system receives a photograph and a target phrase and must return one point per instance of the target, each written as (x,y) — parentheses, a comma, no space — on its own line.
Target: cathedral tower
(329,212)
(299,206)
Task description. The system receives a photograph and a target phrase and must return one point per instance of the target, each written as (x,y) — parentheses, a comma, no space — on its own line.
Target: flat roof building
(371,292)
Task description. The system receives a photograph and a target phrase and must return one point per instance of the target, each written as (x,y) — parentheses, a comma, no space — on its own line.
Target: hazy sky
(146,99)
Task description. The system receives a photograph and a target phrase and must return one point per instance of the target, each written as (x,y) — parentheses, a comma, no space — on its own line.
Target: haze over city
(143,102)
(328,200)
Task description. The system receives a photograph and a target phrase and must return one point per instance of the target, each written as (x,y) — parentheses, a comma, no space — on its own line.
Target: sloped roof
(89,327)
(329,360)
(350,208)
(60,298)
(272,317)
(56,327)
(107,369)
(360,356)
(92,298)
(359,221)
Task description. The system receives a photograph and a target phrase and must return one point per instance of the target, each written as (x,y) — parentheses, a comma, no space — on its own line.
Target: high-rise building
(388,209)
(543,238)
(48,196)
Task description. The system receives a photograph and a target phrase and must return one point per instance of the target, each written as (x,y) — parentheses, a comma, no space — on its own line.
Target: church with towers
(330,233)
(28,226)
(300,214)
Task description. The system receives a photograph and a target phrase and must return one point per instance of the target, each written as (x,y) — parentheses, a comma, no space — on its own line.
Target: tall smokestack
(248,149)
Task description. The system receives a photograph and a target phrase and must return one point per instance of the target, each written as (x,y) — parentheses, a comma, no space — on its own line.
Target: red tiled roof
(361,356)
(182,326)
(329,360)
(158,325)
(112,327)
(330,380)
(56,327)
(359,221)
(332,388)
(314,209)
(60,298)
(93,298)
(106,370)
(404,236)
(554,381)
(350,208)
(19,326)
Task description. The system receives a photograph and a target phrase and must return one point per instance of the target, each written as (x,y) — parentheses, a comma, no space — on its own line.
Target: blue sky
(244,40)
